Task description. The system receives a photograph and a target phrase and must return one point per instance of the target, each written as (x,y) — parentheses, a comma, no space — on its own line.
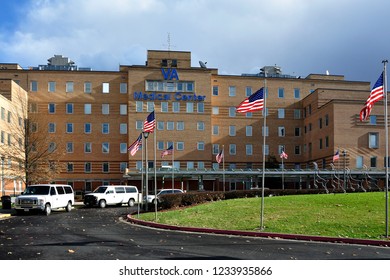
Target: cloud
(236,37)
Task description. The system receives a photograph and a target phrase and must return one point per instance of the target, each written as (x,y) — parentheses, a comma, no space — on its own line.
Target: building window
(51,86)
(232,149)
(87,128)
(170,125)
(180,146)
(232,130)
(160,125)
(123,148)
(232,91)
(200,146)
(105,148)
(105,109)
(326,120)
(190,107)
(248,130)
(87,109)
(123,128)
(34,86)
(164,107)
(52,128)
(232,111)
(320,143)
(373,140)
(373,119)
(87,87)
(297,93)
(52,110)
(326,141)
(320,123)
(215,110)
(87,147)
(215,149)
(69,167)
(175,107)
(249,149)
(123,88)
(69,127)
(87,167)
(69,147)
(281,131)
(105,167)
(69,108)
(297,131)
(373,162)
(264,132)
(106,88)
(215,130)
(297,150)
(123,109)
(122,166)
(281,148)
(248,91)
(69,87)
(139,106)
(359,162)
(200,126)
(149,106)
(52,146)
(215,90)
(297,114)
(105,128)
(281,92)
(180,125)
(139,125)
(200,107)
(281,113)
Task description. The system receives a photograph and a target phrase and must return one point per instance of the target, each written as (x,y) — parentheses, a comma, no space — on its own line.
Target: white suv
(44,198)
(112,195)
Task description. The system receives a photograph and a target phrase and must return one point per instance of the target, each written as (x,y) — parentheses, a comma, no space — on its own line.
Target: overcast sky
(345,37)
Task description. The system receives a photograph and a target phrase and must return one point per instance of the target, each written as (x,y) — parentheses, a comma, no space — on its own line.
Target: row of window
(248,92)
(70,87)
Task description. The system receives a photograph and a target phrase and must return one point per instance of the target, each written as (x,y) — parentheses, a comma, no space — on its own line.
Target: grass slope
(354,215)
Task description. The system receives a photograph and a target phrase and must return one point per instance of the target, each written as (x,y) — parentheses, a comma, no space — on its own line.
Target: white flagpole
(155,169)
(173,167)
(223,166)
(264,137)
(283,172)
(387,148)
(142,174)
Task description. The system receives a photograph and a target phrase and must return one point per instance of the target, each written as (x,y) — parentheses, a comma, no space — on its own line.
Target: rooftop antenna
(202,64)
(169,42)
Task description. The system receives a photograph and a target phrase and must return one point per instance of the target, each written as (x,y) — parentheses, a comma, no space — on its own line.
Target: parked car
(45,197)
(112,195)
(151,198)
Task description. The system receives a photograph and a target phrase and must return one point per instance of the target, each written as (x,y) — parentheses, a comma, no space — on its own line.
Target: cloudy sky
(345,37)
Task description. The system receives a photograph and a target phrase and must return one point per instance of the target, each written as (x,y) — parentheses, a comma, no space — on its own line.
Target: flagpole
(264,137)
(173,167)
(387,147)
(142,174)
(223,166)
(155,173)
(283,172)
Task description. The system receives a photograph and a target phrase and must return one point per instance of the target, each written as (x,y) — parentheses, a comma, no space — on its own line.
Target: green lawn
(354,215)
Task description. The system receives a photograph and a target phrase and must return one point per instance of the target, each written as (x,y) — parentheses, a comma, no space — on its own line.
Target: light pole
(146,135)
(2,175)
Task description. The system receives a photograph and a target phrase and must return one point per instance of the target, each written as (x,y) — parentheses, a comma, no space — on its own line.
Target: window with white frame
(297,93)
(69,147)
(105,87)
(215,110)
(200,107)
(215,129)
(105,109)
(69,87)
(87,167)
(164,107)
(232,149)
(248,130)
(69,108)
(175,107)
(123,148)
(232,91)
(215,90)
(51,127)
(105,167)
(123,128)
(88,128)
(249,149)
(232,111)
(232,130)
(139,106)
(190,107)
(87,87)
(160,125)
(105,128)
(281,131)
(69,127)
(123,88)
(52,86)
(123,109)
(180,125)
(264,132)
(248,91)
(281,92)
(170,125)
(373,140)
(200,125)
(88,147)
(150,106)
(51,108)
(105,147)
(200,146)
(359,162)
(180,146)
(281,113)
(87,109)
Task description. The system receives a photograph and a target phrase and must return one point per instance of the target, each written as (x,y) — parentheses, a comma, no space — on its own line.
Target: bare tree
(33,154)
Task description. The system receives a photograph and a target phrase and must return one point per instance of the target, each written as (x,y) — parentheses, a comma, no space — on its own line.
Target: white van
(113,195)
(45,197)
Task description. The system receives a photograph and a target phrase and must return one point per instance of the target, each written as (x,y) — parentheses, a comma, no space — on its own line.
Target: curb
(3,216)
(342,240)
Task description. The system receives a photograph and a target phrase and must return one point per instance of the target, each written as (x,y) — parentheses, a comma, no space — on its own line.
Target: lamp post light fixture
(2,174)
(146,135)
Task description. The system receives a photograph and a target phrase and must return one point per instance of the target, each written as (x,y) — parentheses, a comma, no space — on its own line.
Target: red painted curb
(356,241)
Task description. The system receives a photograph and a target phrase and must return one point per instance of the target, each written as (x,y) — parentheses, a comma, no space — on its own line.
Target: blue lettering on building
(178,96)
(169,74)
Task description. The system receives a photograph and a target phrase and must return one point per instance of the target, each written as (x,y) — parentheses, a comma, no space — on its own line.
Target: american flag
(255,102)
(150,123)
(133,148)
(376,94)
(283,155)
(219,156)
(336,155)
(167,151)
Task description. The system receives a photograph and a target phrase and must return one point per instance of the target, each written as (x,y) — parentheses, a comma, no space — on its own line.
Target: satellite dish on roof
(202,64)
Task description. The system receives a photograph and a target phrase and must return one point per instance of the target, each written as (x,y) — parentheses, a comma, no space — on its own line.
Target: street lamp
(344,153)
(146,135)
(2,174)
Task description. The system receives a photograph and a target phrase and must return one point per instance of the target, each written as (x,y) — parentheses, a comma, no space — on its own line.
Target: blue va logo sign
(169,74)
